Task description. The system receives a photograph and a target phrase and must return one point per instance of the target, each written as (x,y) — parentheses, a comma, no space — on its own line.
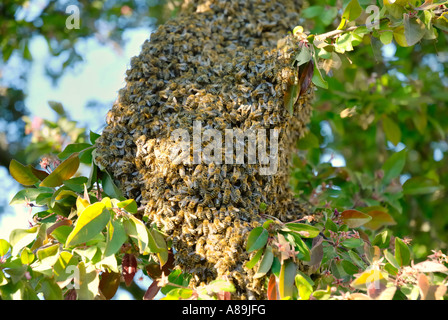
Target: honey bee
(226,196)
(205,227)
(229,231)
(219,226)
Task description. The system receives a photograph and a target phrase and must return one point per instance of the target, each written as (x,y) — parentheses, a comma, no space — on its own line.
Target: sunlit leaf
(87,282)
(73,148)
(116,236)
(286,279)
(354,218)
(91,222)
(22,174)
(380,218)
(420,185)
(252,262)
(4,247)
(304,286)
(109,283)
(63,172)
(305,230)
(129,205)
(19,238)
(272,292)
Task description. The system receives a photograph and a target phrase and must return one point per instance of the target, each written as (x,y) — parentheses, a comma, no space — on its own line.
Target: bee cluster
(217,63)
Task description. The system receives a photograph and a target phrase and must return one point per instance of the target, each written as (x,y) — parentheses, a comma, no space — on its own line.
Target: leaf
(4,247)
(129,264)
(257,239)
(19,238)
(402,252)
(28,195)
(50,289)
(391,130)
(414,29)
(316,254)
(399,36)
(305,77)
(57,107)
(304,286)
(305,230)
(382,240)
(62,172)
(266,263)
(81,204)
(87,282)
(352,243)
(309,141)
(286,279)
(152,291)
(318,80)
(420,185)
(391,259)
(367,278)
(290,97)
(252,262)
(430,266)
(304,251)
(27,256)
(128,205)
(272,291)
(349,267)
(386,37)
(73,148)
(110,188)
(90,223)
(354,218)
(109,283)
(394,166)
(380,218)
(116,236)
(64,266)
(22,174)
(352,11)
(216,286)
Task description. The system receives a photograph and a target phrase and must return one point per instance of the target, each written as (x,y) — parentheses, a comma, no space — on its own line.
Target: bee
(222,214)
(205,227)
(236,196)
(175,242)
(226,196)
(208,214)
(227,221)
(200,212)
(229,231)
(219,226)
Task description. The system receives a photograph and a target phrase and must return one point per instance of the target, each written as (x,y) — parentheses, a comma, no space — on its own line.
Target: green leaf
(220,285)
(394,166)
(20,238)
(352,11)
(48,256)
(312,12)
(91,222)
(309,141)
(4,247)
(28,195)
(50,289)
(116,236)
(286,279)
(128,205)
(22,174)
(382,240)
(110,188)
(386,37)
(352,243)
(304,251)
(391,259)
(64,266)
(402,252)
(257,239)
(304,230)
(349,267)
(318,80)
(414,29)
(252,262)
(304,286)
(420,185)
(88,282)
(73,148)
(26,256)
(391,130)
(354,218)
(266,263)
(62,172)
(93,136)
(138,232)
(57,107)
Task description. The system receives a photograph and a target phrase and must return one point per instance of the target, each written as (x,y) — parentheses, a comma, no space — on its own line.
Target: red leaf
(272,288)
(70,295)
(152,291)
(306,76)
(129,264)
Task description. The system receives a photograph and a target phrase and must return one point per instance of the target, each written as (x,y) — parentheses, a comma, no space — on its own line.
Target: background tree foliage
(383,115)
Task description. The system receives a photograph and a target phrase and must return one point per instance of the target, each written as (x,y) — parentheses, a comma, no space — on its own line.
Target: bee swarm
(217,63)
